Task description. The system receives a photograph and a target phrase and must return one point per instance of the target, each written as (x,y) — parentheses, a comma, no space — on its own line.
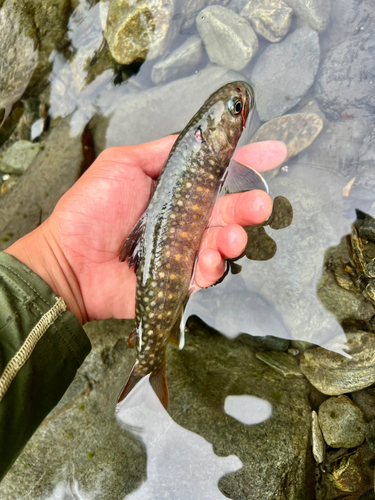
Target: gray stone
(301,345)
(314,12)
(345,86)
(237,5)
(19,54)
(342,423)
(282,362)
(81,451)
(136,30)
(297,131)
(269,18)
(53,171)
(365,400)
(318,444)
(191,9)
(181,61)
(18,157)
(284,73)
(364,182)
(157,107)
(229,39)
(333,374)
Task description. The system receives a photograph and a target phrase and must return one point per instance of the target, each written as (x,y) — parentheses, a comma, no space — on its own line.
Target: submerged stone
(297,131)
(342,423)
(229,39)
(18,157)
(191,8)
(269,18)
(318,444)
(334,374)
(282,362)
(314,12)
(182,60)
(284,73)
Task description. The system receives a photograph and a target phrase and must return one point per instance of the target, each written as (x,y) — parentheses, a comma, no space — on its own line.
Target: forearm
(40,252)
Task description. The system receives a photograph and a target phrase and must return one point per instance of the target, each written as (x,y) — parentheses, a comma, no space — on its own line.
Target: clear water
(120,105)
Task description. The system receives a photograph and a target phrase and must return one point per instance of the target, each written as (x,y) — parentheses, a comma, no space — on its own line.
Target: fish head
(225,114)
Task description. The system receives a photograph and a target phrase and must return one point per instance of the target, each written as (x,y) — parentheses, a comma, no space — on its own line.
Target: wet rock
(157,107)
(314,12)
(333,374)
(8,181)
(345,84)
(19,157)
(269,18)
(191,9)
(237,5)
(318,444)
(364,182)
(282,362)
(268,343)
(301,345)
(370,435)
(342,423)
(138,30)
(53,171)
(181,61)
(284,73)
(297,131)
(19,54)
(282,213)
(365,400)
(347,474)
(82,444)
(229,39)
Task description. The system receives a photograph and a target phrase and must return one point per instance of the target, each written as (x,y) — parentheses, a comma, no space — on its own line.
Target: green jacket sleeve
(41,347)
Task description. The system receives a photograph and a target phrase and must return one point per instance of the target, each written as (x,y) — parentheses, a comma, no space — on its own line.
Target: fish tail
(158,381)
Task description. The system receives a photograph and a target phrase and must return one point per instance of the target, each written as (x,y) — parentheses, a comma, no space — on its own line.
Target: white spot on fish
(188,184)
(150,332)
(180,203)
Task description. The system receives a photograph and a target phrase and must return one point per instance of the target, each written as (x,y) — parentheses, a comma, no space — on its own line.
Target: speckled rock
(318,444)
(269,18)
(83,452)
(282,362)
(19,54)
(181,61)
(297,131)
(18,157)
(342,423)
(284,73)
(229,39)
(345,86)
(136,30)
(333,374)
(314,12)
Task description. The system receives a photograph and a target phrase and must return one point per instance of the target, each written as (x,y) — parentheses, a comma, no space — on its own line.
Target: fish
(163,245)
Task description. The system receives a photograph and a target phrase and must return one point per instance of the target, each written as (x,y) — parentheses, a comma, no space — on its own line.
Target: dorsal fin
(132,247)
(239,177)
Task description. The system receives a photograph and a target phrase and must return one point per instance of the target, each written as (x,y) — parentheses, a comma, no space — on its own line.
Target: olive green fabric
(42,381)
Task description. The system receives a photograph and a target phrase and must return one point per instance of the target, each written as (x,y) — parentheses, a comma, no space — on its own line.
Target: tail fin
(158,381)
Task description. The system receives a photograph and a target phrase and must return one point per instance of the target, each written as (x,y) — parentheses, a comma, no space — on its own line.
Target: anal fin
(177,334)
(239,177)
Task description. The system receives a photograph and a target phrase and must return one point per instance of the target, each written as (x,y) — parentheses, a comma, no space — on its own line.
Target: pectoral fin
(239,177)
(132,247)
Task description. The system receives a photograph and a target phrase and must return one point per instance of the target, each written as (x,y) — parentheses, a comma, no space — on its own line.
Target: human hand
(76,250)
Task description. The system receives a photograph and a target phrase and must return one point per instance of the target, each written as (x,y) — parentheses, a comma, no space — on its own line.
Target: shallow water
(242,390)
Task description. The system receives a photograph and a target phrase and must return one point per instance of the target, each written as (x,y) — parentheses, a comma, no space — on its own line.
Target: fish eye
(235,106)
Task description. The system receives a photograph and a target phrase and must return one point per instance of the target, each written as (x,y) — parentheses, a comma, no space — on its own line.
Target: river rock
(284,73)
(269,18)
(342,423)
(333,374)
(136,30)
(365,400)
(237,5)
(54,170)
(191,8)
(314,12)
(282,362)
(81,448)
(345,86)
(297,131)
(19,54)
(364,182)
(157,107)
(18,157)
(229,39)
(318,444)
(182,60)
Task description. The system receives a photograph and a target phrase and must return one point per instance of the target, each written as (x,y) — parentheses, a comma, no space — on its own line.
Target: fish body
(164,244)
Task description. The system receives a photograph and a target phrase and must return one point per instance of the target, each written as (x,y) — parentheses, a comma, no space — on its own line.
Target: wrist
(40,251)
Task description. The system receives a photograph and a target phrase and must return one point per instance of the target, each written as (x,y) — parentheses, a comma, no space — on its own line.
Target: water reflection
(248,410)
(176,457)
